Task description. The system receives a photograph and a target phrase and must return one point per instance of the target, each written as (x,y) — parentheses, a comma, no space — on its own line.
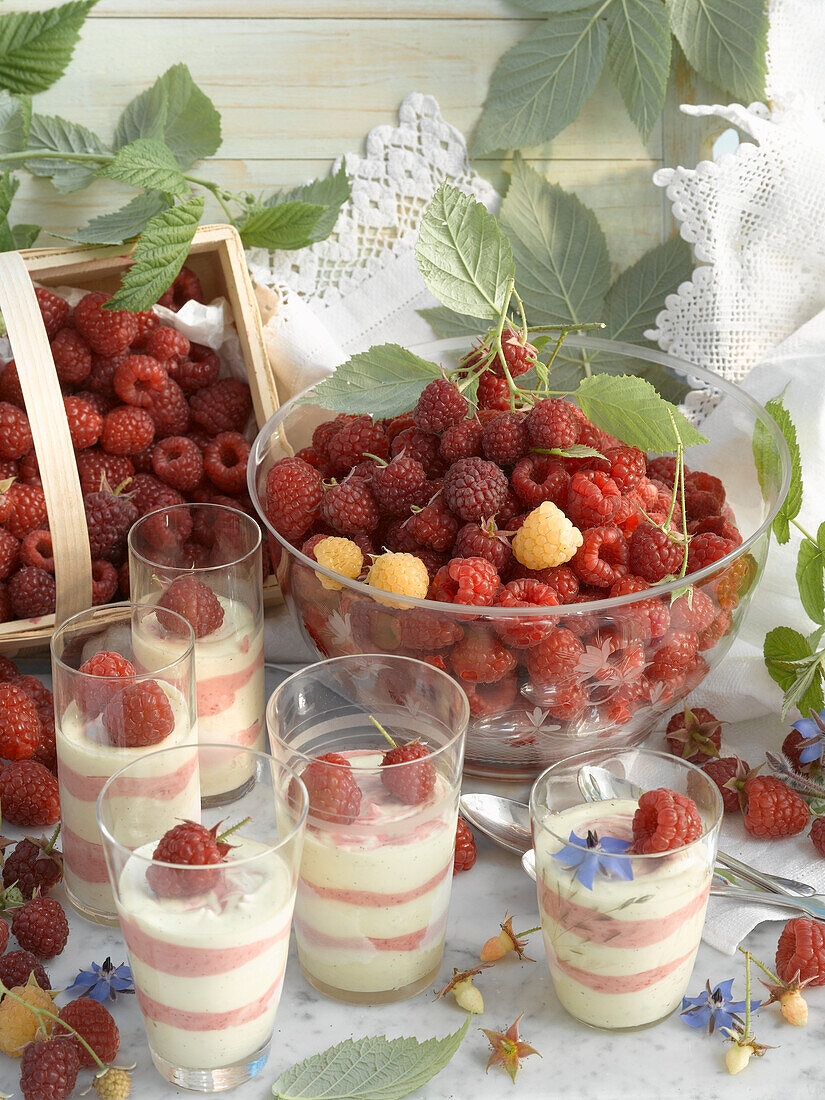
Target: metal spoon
(507,822)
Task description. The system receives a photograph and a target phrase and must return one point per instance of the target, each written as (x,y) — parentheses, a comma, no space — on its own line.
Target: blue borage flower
(592,854)
(714,1008)
(813,732)
(103,982)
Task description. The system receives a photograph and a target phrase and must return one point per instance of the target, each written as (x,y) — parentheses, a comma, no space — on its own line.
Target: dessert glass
(621,931)
(220,547)
(87,754)
(209,963)
(373,893)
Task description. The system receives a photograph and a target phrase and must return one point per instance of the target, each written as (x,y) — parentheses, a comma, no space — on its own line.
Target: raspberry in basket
(137,378)
(225,406)
(462,440)
(293,496)
(665,820)
(93,465)
(164,343)
(399,485)
(546,538)
(53,309)
(169,410)
(504,440)
(15,433)
(19,724)
(653,555)
(593,498)
(224,461)
(552,423)
(85,422)
(9,552)
(350,508)
(440,406)
(434,526)
(72,357)
(10,388)
(474,489)
(127,430)
(483,540)
(109,515)
(537,478)
(32,592)
(178,462)
(185,288)
(602,558)
(29,794)
(107,331)
(195,374)
(354,440)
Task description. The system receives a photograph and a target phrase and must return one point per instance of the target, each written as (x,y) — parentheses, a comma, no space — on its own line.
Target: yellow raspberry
(18,1024)
(341,556)
(114,1084)
(402,573)
(546,538)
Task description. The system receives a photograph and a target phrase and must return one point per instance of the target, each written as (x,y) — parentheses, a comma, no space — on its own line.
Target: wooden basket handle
(52,441)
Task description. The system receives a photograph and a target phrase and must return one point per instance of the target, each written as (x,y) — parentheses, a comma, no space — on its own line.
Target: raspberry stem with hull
(383,732)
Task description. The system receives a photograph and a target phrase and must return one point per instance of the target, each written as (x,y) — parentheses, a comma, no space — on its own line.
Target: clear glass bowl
(613,697)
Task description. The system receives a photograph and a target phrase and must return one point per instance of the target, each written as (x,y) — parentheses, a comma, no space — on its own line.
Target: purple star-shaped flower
(714,1008)
(592,854)
(103,982)
(813,732)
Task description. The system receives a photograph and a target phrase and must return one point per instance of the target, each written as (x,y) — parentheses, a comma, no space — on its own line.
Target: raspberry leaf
(50,132)
(148,164)
(630,408)
(638,56)
(12,124)
(810,569)
(769,466)
(446,322)
(331,192)
(36,47)
(386,379)
(725,42)
(463,256)
(121,225)
(540,85)
(792,663)
(286,226)
(373,1068)
(160,254)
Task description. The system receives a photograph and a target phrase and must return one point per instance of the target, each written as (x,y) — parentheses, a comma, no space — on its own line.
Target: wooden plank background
(299,83)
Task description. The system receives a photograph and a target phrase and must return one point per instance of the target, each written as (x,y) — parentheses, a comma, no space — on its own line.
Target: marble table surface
(577,1062)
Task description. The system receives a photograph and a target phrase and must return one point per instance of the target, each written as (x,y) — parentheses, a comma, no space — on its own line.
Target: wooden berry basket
(217,259)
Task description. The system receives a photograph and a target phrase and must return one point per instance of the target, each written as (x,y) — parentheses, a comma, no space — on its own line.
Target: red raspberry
(518,354)
(555,657)
(413,781)
(442,587)
(40,926)
(483,540)
(716,525)
(817,835)
(107,331)
(33,865)
(17,966)
(397,424)
(434,526)
(522,632)
(323,434)
(169,410)
(480,658)
(95,1024)
(225,406)
(333,792)
(29,794)
(504,440)
(195,374)
(423,629)
(187,845)
(566,700)
(465,848)
(734,581)
(72,357)
(32,592)
(94,694)
(44,705)
(194,601)
(792,747)
(493,392)
(140,715)
(474,489)
(93,465)
(440,406)
(662,469)
(48,1069)
(696,615)
(109,515)
(652,554)
(561,578)
(293,495)
(694,735)
(147,321)
(349,508)
(462,440)
(9,553)
(398,486)
(27,509)
(772,808)
(53,309)
(676,654)
(537,478)
(602,558)
(552,423)
(357,438)
(179,462)
(137,379)
(15,433)
(164,343)
(722,771)
(800,953)
(627,466)
(149,494)
(593,498)
(225,460)
(19,723)
(705,549)
(10,388)
(85,422)
(100,380)
(476,579)
(127,430)
(185,288)
(423,446)
(665,820)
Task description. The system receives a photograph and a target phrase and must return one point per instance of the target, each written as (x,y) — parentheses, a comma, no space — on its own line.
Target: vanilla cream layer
(622,953)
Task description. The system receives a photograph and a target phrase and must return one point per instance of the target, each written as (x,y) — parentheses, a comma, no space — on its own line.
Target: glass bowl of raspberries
(539,559)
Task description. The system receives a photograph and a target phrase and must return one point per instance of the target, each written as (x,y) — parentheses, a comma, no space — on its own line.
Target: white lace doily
(756,218)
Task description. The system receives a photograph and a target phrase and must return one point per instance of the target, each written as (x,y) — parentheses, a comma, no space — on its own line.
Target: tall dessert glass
(622,898)
(204,561)
(376,874)
(118,694)
(208,943)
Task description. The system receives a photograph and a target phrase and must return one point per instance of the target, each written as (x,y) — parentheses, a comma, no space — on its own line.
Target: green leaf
(121,225)
(36,47)
(630,408)
(53,132)
(639,293)
(160,254)
(638,56)
(446,322)
(553,7)
(373,1068)
(25,235)
(562,264)
(175,111)
(147,164)
(769,467)
(540,85)
(575,450)
(385,380)
(810,566)
(725,42)
(783,650)
(331,192)
(462,255)
(287,226)
(12,124)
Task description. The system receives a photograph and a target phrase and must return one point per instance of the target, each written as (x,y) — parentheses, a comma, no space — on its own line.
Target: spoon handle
(774,883)
(813,906)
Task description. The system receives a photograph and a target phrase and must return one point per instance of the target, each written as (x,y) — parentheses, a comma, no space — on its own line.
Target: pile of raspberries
(451,485)
(152,424)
